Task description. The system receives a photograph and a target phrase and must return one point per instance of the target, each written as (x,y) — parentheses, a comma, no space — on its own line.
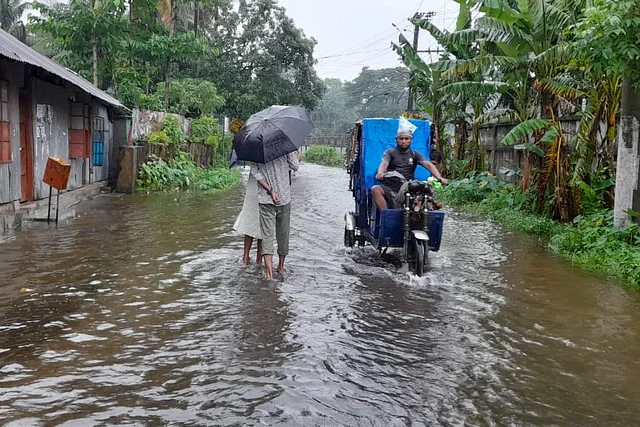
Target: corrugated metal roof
(12,48)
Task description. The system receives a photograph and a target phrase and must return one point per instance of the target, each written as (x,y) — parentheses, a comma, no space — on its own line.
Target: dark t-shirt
(404,162)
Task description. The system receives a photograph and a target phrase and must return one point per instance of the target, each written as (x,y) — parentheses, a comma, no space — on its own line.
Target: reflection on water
(142,313)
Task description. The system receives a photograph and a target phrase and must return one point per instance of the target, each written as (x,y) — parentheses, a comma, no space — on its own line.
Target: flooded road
(143,314)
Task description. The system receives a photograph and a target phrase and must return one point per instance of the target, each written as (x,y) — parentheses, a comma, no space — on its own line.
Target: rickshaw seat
(379,135)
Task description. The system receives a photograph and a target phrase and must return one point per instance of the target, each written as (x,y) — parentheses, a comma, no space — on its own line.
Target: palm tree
(11,12)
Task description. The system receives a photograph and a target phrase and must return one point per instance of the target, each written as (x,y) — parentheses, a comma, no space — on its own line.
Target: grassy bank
(323,155)
(590,242)
(182,174)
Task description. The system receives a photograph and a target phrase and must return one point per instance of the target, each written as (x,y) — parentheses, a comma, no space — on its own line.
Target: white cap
(405,127)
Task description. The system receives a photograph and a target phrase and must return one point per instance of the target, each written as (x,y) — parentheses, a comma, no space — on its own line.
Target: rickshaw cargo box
(435,219)
(56,173)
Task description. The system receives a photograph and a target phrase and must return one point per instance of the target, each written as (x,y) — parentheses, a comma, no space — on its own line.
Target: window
(5,125)
(79,137)
(98,141)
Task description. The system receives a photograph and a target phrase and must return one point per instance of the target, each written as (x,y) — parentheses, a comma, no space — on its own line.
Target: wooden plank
(15,177)
(5,187)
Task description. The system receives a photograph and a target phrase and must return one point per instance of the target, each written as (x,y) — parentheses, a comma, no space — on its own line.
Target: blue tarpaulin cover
(380,135)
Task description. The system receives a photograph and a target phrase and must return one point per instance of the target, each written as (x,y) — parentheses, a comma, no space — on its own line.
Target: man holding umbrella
(269,139)
(274,198)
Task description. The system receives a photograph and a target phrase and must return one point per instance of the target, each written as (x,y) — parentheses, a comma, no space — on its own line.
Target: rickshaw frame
(386,228)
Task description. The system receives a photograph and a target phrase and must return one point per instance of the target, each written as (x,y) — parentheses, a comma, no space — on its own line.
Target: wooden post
(494,146)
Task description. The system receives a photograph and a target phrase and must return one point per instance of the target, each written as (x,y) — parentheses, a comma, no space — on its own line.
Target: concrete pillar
(628,162)
(121,124)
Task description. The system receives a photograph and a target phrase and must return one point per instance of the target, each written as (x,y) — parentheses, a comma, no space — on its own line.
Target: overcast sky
(352,34)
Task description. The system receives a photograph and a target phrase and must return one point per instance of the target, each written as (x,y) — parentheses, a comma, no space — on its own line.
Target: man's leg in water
(283,227)
(267,229)
(259,258)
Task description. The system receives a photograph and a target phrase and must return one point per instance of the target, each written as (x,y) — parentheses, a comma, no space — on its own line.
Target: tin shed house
(47,110)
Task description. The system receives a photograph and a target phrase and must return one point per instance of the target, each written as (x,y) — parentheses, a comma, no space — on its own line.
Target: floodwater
(139,312)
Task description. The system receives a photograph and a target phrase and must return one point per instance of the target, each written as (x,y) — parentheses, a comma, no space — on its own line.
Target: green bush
(203,128)
(173,129)
(475,188)
(213,140)
(323,155)
(191,97)
(159,138)
(182,174)
(223,151)
(590,242)
(149,102)
(593,242)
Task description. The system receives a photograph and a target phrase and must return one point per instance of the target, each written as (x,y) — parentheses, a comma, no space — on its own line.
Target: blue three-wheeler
(415,226)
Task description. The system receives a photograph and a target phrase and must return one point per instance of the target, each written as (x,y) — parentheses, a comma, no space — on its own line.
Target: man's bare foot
(246,261)
(280,268)
(268,265)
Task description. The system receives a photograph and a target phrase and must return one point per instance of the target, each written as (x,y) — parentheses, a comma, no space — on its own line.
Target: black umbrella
(272,133)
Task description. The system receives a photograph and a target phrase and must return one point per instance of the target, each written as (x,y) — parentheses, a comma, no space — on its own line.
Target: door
(26,148)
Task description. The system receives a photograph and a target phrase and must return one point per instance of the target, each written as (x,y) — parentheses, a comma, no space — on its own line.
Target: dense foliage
(323,155)
(332,116)
(181,174)
(374,93)
(192,58)
(378,93)
(206,130)
(532,62)
(590,241)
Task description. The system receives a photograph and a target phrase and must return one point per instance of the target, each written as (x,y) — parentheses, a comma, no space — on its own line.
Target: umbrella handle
(289,177)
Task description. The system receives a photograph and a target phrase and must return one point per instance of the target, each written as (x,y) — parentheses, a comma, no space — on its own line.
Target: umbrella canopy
(272,133)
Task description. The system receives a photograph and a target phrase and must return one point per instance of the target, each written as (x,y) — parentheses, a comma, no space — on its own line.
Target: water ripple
(142,313)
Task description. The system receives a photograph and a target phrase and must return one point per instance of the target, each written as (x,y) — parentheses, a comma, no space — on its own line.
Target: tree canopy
(379,93)
(193,57)
(332,116)
(534,61)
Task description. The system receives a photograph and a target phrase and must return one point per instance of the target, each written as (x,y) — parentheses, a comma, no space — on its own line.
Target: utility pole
(416,34)
(628,161)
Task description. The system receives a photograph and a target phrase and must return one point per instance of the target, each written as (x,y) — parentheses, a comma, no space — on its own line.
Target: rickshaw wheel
(421,252)
(349,238)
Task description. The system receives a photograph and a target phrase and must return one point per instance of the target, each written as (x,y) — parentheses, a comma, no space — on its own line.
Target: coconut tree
(11,12)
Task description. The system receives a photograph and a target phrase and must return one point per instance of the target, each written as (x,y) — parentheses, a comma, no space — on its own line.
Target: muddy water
(141,313)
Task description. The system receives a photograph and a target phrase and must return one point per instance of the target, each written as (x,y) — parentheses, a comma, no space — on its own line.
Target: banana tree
(483,105)
(425,86)
(594,142)
(427,81)
(553,184)
(530,45)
